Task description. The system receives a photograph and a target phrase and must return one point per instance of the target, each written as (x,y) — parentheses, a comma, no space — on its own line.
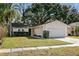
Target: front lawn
(76,37)
(15,42)
(66,51)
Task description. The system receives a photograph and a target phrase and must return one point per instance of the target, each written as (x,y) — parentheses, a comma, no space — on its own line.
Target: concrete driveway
(68,39)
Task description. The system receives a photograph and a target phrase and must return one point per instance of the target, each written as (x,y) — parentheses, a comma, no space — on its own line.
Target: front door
(29,32)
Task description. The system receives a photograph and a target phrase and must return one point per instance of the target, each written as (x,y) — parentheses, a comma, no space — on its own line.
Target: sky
(76,5)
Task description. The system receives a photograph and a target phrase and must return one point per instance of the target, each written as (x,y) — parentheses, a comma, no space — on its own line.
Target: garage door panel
(57,32)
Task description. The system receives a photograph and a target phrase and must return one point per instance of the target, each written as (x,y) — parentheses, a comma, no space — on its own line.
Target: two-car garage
(57,33)
(55,28)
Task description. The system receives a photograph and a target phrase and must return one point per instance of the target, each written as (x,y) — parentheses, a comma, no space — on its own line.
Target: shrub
(1,35)
(37,35)
(45,34)
(5,30)
(72,32)
(77,30)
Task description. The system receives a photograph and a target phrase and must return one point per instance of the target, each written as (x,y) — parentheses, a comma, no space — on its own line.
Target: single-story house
(55,29)
(74,28)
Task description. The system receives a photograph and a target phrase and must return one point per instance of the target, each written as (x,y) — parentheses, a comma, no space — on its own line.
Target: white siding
(57,32)
(16,29)
(56,29)
(38,30)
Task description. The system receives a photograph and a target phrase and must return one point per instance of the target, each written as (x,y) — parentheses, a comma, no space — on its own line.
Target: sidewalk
(35,48)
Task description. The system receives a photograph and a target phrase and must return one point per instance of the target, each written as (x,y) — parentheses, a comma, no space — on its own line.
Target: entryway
(29,32)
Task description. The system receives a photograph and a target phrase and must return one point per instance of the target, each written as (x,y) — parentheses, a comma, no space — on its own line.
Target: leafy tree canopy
(41,13)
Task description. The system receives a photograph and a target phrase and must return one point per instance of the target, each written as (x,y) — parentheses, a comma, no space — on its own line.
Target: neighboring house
(18,29)
(74,28)
(55,29)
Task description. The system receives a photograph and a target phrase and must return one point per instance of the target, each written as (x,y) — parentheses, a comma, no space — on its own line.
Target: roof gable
(18,25)
(74,24)
(53,22)
(57,22)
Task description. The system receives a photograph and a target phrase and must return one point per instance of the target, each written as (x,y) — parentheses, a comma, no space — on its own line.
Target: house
(17,29)
(55,29)
(74,28)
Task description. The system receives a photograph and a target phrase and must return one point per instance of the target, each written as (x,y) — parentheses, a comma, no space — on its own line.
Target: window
(22,30)
(19,30)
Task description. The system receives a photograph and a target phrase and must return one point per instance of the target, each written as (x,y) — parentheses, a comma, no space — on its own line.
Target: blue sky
(76,5)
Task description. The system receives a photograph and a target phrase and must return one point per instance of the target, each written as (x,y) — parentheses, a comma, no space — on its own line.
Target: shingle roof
(52,22)
(74,24)
(18,25)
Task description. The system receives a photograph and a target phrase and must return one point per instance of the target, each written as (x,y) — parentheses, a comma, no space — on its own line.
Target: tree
(20,7)
(73,16)
(1,35)
(9,15)
(38,13)
(41,13)
(3,7)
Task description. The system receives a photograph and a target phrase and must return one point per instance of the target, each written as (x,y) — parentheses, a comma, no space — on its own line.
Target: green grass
(66,51)
(16,42)
(77,37)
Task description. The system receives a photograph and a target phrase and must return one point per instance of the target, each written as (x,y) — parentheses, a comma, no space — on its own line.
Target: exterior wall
(72,28)
(38,31)
(69,29)
(56,29)
(16,29)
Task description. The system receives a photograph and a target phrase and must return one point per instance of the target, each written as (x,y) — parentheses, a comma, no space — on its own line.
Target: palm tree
(20,7)
(3,7)
(9,15)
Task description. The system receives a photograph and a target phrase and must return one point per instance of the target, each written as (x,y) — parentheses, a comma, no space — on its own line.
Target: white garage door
(57,32)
